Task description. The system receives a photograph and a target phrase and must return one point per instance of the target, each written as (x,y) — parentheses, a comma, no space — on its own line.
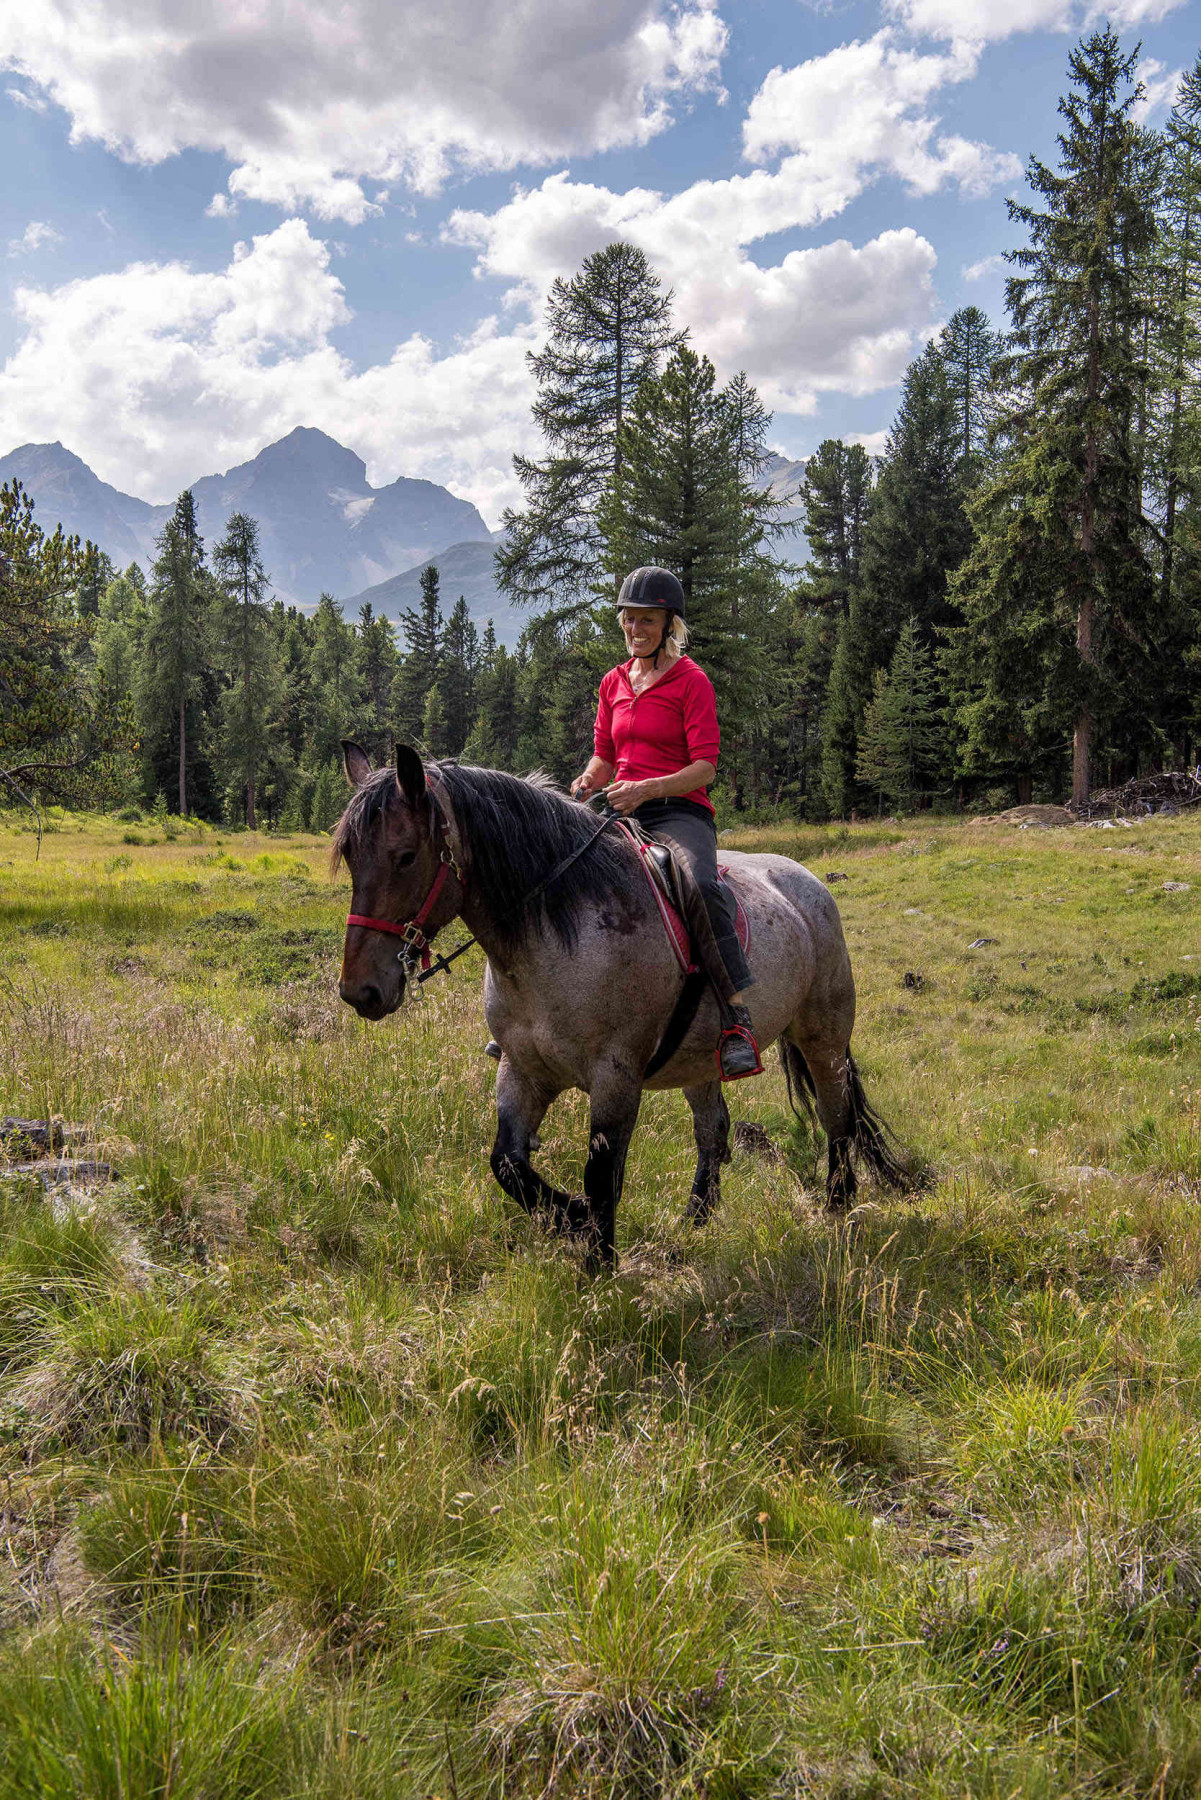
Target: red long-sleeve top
(660,731)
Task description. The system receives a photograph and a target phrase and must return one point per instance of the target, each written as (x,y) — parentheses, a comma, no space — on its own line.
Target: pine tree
(63,730)
(902,742)
(250,703)
(609,330)
(1057,591)
(176,685)
(835,497)
(422,655)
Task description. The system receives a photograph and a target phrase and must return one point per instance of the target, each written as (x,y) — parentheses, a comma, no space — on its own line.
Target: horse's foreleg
(614,1101)
(711,1128)
(520,1109)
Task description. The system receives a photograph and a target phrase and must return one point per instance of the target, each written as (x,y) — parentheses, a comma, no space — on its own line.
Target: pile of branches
(1169,792)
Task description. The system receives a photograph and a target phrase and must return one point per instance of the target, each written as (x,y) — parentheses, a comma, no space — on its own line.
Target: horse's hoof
(699,1210)
(492,1049)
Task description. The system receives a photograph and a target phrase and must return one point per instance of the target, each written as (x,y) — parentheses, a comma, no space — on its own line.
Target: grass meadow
(323,1472)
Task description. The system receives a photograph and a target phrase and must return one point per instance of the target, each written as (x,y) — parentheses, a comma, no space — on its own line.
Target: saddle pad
(674,926)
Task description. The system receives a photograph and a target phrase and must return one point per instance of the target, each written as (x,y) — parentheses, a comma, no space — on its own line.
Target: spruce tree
(492,742)
(609,329)
(902,744)
(915,536)
(335,686)
(422,630)
(250,702)
(680,500)
(835,497)
(1174,438)
(460,657)
(379,673)
(968,347)
(1057,591)
(177,686)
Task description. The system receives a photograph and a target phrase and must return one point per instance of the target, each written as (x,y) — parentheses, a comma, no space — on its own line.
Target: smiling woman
(657,741)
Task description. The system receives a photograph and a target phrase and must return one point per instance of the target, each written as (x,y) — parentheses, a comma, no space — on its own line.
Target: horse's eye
(406,859)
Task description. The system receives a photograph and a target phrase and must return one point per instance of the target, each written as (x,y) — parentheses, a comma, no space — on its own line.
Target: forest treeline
(1006,604)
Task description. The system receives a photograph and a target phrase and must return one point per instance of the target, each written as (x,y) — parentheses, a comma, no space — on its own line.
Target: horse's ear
(410,772)
(356,763)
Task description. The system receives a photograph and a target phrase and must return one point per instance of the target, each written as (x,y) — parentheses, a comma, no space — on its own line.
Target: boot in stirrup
(737,1052)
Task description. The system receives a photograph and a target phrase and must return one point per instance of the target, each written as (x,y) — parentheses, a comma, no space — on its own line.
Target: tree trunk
(183,763)
(250,818)
(1025,789)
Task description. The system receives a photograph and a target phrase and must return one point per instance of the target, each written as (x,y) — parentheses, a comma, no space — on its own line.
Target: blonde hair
(677,631)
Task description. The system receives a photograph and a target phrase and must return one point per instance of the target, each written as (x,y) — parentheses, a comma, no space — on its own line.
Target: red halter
(412,930)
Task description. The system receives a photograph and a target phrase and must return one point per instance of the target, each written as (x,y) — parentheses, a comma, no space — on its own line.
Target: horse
(581,980)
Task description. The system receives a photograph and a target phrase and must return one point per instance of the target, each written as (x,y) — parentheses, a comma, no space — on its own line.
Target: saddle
(667,878)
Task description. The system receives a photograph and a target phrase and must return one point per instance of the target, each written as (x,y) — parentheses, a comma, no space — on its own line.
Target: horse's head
(386,838)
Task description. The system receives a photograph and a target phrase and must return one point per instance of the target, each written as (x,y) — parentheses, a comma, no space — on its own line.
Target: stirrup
(737,1052)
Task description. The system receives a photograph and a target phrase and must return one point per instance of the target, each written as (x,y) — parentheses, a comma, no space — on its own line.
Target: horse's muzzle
(368,1000)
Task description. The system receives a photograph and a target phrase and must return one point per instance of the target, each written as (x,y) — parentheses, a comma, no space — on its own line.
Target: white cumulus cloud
(316,105)
(863,110)
(159,373)
(989,21)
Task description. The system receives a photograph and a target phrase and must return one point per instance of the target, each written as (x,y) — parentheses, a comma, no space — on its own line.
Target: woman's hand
(624,796)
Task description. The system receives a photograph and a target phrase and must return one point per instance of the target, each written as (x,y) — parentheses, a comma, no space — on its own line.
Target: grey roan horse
(581,980)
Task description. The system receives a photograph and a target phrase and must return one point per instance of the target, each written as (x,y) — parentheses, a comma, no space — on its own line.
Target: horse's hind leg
(821,1072)
(520,1109)
(711,1128)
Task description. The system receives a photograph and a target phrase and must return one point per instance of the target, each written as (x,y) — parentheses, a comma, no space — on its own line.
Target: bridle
(419,942)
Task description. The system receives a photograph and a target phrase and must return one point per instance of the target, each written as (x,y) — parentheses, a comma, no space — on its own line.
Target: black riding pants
(691,833)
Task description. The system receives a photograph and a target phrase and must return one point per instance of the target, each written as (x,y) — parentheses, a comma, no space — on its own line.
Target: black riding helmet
(654,587)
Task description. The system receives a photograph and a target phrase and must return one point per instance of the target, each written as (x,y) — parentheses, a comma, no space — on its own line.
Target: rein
(417,942)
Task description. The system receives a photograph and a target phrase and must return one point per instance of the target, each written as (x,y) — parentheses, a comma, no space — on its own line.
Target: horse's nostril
(370,997)
(364,997)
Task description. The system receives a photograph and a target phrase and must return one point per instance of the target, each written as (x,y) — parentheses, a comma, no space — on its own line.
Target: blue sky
(284,214)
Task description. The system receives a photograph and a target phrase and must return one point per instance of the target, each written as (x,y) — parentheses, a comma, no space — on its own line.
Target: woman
(656,750)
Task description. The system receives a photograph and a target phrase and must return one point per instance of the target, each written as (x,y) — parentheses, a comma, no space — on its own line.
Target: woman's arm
(624,796)
(597,775)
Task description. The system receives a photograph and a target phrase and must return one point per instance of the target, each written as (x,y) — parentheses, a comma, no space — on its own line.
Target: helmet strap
(662,641)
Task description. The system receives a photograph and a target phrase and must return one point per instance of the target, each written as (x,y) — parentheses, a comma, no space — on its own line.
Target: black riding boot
(737,1052)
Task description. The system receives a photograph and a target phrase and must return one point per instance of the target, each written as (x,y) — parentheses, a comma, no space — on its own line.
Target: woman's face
(643,627)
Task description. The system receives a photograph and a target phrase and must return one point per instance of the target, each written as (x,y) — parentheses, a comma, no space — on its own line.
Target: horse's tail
(871,1136)
(868,1132)
(799,1082)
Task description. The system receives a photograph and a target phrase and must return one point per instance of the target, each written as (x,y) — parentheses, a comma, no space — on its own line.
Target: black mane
(516,829)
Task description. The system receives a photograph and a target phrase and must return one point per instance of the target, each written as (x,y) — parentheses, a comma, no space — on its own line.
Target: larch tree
(176,677)
(609,329)
(250,703)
